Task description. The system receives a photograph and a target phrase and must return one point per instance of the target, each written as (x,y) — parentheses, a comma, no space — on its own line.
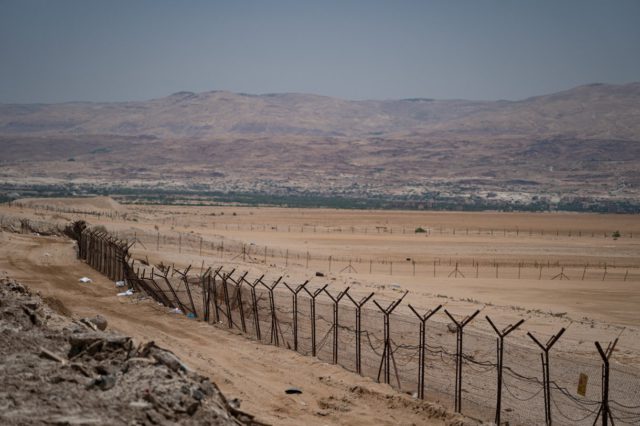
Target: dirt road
(254,373)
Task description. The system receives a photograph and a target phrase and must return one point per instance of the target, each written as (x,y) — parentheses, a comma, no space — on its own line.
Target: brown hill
(584,142)
(593,111)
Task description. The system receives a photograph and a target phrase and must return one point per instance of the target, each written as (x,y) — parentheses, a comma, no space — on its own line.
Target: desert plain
(554,270)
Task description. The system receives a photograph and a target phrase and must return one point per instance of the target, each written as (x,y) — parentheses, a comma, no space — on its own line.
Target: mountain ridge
(582,143)
(214,113)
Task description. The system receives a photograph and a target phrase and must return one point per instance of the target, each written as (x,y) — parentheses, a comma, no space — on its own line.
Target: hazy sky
(53,51)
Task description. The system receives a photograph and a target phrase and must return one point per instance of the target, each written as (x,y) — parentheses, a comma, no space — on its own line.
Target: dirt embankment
(254,373)
(57,371)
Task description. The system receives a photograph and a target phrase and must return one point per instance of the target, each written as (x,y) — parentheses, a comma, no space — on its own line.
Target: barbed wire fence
(450,267)
(489,377)
(369,229)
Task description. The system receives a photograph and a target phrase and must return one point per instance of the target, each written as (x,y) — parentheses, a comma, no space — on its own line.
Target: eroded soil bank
(54,370)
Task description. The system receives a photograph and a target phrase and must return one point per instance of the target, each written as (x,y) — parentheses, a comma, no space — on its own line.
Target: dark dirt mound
(56,371)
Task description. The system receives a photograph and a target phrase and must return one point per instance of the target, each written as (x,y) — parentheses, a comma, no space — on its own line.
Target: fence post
(423,346)
(561,275)
(544,356)
(97,253)
(387,354)
(173,292)
(114,258)
(81,240)
(459,333)
(455,272)
(225,294)
(274,318)
(95,264)
(500,354)
(336,325)
(111,257)
(294,303)
(254,306)
(161,296)
(359,306)
(107,256)
(237,284)
(214,290)
(204,283)
(125,255)
(91,248)
(312,303)
(604,410)
(103,253)
(185,279)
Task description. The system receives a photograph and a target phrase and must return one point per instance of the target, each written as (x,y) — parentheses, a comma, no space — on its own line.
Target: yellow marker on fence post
(582,384)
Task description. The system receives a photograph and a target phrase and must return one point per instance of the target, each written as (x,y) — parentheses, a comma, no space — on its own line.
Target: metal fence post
(423,346)
(185,280)
(545,370)
(312,304)
(274,318)
(294,303)
(459,355)
(604,410)
(335,325)
(254,306)
(359,306)
(500,354)
(237,284)
(387,354)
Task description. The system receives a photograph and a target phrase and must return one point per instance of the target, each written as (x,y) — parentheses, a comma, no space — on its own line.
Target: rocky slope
(54,371)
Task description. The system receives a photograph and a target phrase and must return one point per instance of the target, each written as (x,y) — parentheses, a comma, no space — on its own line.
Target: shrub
(420,230)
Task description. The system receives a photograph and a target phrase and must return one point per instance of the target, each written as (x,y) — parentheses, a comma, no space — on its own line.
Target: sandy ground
(254,373)
(602,300)
(370,251)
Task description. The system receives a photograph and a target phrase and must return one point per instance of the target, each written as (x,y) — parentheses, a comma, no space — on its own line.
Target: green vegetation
(433,201)
(420,230)
(99,151)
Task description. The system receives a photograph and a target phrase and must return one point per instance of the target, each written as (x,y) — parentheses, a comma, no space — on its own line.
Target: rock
(103,382)
(100,322)
(74,420)
(234,403)
(192,407)
(33,316)
(107,380)
(45,353)
(140,404)
(94,342)
(168,359)
(15,286)
(452,327)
